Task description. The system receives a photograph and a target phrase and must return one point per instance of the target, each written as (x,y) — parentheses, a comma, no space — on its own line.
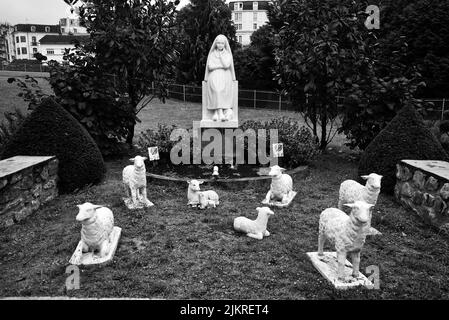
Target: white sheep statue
(193,192)
(208,198)
(281,188)
(256,229)
(135,184)
(347,233)
(351,191)
(97,224)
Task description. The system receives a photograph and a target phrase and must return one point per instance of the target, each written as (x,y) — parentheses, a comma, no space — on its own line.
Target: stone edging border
(290,172)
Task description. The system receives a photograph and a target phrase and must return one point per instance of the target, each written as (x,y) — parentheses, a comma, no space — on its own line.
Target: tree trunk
(133,98)
(323,142)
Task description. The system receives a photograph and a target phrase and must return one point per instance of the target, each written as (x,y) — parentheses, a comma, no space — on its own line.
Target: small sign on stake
(153,153)
(278,150)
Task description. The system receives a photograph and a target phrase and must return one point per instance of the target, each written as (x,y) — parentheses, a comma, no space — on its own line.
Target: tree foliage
(135,41)
(92,97)
(199,22)
(322,49)
(254,64)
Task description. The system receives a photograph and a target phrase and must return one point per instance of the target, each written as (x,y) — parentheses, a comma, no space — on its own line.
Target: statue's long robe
(219,82)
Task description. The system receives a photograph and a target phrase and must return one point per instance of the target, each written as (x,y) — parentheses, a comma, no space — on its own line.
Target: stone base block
(280,204)
(88,258)
(219,124)
(328,267)
(140,205)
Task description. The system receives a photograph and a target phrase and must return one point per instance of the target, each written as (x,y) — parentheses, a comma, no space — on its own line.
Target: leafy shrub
(157,138)
(444,126)
(92,98)
(50,130)
(31,92)
(299,144)
(13,121)
(405,137)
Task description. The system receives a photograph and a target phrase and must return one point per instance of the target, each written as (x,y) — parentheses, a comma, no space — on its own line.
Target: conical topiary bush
(51,130)
(405,137)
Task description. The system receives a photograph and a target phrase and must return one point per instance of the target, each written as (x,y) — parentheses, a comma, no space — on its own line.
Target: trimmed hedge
(51,130)
(405,137)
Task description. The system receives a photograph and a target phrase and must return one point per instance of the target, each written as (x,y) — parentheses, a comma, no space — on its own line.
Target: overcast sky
(38,11)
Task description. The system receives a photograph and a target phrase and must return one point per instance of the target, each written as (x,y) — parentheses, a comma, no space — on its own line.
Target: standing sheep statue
(351,191)
(135,184)
(347,233)
(256,229)
(98,234)
(281,190)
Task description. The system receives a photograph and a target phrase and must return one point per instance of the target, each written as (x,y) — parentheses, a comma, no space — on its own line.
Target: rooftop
(62,39)
(37,28)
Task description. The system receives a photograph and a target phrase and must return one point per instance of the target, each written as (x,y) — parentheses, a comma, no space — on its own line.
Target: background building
(23,39)
(247,17)
(71,24)
(53,46)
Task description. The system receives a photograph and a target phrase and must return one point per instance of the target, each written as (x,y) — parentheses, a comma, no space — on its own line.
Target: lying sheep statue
(351,191)
(193,192)
(281,186)
(97,224)
(347,233)
(208,198)
(256,229)
(135,184)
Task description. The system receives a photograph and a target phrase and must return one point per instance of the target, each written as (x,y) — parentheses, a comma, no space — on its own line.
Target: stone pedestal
(88,258)
(328,266)
(423,186)
(207,122)
(26,182)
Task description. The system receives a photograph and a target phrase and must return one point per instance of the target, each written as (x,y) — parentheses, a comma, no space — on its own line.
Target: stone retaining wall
(423,186)
(25,183)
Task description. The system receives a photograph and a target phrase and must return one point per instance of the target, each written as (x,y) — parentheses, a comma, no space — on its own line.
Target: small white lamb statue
(347,233)
(97,224)
(208,198)
(256,229)
(135,184)
(281,186)
(351,191)
(193,192)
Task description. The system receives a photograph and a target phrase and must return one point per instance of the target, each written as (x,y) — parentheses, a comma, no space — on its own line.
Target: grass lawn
(171,112)
(175,252)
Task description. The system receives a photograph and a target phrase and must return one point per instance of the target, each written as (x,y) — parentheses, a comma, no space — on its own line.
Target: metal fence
(25,67)
(438,109)
(257,99)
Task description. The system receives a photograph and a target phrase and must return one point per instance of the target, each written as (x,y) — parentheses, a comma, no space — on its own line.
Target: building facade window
(24,50)
(255,16)
(75,30)
(239,26)
(33,40)
(238,6)
(34,50)
(17,39)
(23,39)
(238,16)
(47,29)
(255,5)
(62,30)
(240,39)
(255,26)
(18,51)
(50,51)
(33,29)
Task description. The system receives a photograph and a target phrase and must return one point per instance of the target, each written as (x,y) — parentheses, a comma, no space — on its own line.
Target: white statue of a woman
(219,77)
